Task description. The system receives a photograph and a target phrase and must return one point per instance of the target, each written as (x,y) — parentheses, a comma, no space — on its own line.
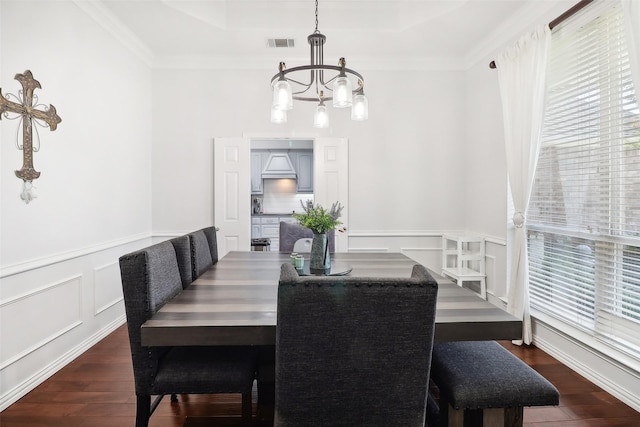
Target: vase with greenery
(320,221)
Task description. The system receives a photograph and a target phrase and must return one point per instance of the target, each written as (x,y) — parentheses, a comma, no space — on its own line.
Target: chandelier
(325,83)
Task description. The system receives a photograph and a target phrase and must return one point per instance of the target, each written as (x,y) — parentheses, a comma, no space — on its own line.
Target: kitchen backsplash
(280,196)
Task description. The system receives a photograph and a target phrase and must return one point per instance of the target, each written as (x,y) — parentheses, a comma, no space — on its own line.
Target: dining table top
(235,303)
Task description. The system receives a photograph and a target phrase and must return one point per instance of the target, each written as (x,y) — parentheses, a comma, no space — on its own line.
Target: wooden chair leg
(454,417)
(514,417)
(143,410)
(246,409)
(493,417)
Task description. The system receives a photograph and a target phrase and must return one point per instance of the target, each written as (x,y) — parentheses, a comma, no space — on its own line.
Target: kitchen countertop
(275,214)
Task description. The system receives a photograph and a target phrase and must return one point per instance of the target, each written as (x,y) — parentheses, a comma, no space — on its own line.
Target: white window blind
(584,213)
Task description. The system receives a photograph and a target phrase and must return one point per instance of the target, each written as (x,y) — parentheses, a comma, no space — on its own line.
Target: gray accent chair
(290,233)
(201,258)
(150,278)
(353,351)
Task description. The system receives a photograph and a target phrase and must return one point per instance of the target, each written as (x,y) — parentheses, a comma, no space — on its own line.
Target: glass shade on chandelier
(360,108)
(320,116)
(282,95)
(278,116)
(342,92)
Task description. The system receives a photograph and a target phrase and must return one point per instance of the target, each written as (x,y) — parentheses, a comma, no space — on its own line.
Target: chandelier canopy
(324,83)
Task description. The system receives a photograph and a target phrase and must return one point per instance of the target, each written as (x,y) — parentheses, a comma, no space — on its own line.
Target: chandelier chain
(317,17)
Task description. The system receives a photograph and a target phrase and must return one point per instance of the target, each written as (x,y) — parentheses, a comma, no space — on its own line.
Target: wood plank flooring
(96,390)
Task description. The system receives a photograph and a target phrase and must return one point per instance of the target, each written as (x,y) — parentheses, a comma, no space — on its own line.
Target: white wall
(60,288)
(405,163)
(96,169)
(485,163)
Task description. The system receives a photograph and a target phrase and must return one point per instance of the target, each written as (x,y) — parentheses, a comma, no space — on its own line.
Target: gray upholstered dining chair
(290,233)
(201,257)
(212,240)
(182,246)
(150,278)
(353,351)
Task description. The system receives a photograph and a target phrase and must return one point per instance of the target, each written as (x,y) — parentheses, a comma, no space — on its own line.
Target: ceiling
(363,31)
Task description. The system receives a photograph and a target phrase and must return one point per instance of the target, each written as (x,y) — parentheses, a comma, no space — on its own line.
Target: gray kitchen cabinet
(288,219)
(256,172)
(258,160)
(269,226)
(302,161)
(304,169)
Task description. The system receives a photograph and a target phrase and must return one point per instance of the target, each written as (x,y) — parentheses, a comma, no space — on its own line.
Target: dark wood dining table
(235,303)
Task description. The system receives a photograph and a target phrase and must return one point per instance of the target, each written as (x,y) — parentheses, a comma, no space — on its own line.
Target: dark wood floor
(96,390)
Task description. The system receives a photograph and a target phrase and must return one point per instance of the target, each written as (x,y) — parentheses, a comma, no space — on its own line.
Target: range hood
(278,165)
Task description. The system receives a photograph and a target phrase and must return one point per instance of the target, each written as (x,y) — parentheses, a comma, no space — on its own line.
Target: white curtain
(631,11)
(522,74)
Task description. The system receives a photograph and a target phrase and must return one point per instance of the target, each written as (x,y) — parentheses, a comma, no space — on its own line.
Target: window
(584,213)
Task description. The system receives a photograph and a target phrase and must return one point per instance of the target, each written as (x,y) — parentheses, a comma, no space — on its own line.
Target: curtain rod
(570,12)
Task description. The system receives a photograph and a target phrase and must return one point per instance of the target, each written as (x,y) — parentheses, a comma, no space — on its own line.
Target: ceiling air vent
(280,43)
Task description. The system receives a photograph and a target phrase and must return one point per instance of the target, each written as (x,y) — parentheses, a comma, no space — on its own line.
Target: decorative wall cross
(26,109)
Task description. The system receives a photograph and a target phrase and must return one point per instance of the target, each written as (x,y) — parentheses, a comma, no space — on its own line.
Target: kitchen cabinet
(255,227)
(288,219)
(258,159)
(304,169)
(302,161)
(269,226)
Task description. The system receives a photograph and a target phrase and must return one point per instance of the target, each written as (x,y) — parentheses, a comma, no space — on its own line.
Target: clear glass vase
(320,261)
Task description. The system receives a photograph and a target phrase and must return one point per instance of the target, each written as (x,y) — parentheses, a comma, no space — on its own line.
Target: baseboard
(603,375)
(46,372)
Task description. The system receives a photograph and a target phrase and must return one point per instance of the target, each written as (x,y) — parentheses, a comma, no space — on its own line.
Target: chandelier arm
(312,99)
(307,85)
(347,71)
(326,85)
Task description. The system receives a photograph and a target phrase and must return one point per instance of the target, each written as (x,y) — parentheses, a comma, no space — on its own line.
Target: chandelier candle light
(335,86)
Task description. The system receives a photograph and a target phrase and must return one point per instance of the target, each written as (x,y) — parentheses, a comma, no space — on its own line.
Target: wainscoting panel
(23,330)
(425,247)
(105,295)
(496,270)
(52,310)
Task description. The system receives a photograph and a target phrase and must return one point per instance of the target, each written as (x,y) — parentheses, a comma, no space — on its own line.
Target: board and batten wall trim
(77,299)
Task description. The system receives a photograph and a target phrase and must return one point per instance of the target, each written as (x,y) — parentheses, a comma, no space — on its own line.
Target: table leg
(266,384)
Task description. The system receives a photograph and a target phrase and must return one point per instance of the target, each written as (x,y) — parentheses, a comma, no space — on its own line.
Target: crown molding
(527,17)
(107,20)
(530,14)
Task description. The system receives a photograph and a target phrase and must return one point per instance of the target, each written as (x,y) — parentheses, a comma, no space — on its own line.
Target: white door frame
(232,186)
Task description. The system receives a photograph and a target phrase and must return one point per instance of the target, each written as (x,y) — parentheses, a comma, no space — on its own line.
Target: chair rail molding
(23,267)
